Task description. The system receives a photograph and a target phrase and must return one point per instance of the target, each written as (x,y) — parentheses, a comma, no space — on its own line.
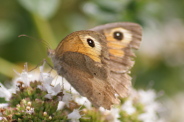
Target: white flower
(74,116)
(146,97)
(151,107)
(83,101)
(3,118)
(5,93)
(3,105)
(52,91)
(67,98)
(128,106)
(61,105)
(115,114)
(54,86)
(26,78)
(46,81)
(174,108)
(65,85)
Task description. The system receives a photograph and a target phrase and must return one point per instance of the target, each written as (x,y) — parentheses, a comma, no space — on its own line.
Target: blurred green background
(159,62)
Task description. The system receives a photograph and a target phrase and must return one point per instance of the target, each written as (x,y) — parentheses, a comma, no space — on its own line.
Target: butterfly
(97,62)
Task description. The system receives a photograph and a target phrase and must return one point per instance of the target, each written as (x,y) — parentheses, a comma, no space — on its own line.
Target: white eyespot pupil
(118,35)
(90,42)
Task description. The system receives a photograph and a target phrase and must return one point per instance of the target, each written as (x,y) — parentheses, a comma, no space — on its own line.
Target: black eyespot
(90,42)
(118,35)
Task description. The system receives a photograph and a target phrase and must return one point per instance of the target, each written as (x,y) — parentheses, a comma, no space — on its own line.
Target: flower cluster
(39,96)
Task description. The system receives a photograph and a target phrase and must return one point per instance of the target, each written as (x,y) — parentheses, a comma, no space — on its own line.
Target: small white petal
(74,116)
(115,114)
(3,105)
(3,118)
(67,98)
(5,92)
(57,89)
(147,96)
(61,105)
(128,107)
(83,101)
(48,96)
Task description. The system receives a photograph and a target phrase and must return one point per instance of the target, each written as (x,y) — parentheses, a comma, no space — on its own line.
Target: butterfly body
(96,63)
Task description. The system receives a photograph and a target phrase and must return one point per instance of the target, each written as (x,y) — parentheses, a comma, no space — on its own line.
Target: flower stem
(6,68)
(44,30)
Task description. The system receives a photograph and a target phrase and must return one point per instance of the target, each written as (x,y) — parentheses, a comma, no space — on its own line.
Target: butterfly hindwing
(121,38)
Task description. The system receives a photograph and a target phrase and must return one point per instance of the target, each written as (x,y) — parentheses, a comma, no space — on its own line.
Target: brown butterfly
(97,62)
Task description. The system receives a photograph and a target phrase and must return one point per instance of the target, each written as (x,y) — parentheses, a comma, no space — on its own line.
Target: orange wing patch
(116,46)
(93,52)
(79,45)
(117,53)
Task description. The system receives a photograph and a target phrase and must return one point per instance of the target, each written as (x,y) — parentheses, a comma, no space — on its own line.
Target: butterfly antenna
(42,41)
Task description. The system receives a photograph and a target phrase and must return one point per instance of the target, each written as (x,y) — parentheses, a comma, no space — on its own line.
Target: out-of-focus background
(160,59)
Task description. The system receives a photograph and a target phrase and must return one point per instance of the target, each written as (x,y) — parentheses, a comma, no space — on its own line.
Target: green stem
(45,31)
(7,68)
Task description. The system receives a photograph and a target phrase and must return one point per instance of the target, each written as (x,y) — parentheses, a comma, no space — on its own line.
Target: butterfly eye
(118,35)
(90,42)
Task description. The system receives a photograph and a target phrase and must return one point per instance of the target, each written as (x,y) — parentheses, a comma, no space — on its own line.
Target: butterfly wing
(84,66)
(89,83)
(99,72)
(121,38)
